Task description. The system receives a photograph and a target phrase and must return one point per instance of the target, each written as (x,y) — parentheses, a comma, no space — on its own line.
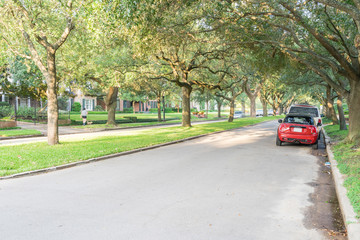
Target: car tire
(278,142)
(315,145)
(319,135)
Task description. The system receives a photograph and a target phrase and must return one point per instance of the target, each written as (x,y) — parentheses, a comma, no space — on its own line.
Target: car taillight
(283,128)
(313,129)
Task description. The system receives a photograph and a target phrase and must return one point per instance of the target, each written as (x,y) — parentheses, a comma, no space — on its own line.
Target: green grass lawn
(348,157)
(26,157)
(170,118)
(16,132)
(125,125)
(97,117)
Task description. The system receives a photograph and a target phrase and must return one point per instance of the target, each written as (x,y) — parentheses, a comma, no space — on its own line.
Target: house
(87,102)
(125,104)
(20,101)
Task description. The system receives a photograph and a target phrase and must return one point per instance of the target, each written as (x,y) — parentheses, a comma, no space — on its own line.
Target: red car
(298,128)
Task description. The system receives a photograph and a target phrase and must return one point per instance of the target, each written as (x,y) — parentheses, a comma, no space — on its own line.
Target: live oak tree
(181,65)
(322,36)
(172,34)
(100,55)
(36,30)
(231,82)
(252,87)
(230,94)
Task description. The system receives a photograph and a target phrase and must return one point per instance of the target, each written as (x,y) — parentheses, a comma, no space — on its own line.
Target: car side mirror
(280,120)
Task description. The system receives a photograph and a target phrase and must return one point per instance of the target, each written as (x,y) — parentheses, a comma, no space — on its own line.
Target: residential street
(228,186)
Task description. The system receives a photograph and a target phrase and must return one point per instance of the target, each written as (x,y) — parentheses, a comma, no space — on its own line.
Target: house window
(88,104)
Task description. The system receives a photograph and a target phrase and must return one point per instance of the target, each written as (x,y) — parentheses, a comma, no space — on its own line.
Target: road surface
(232,185)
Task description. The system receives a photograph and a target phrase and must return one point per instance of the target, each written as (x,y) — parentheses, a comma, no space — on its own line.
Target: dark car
(298,128)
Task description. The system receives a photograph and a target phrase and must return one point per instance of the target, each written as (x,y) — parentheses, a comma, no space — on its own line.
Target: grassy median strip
(140,124)
(348,157)
(26,157)
(21,132)
(125,125)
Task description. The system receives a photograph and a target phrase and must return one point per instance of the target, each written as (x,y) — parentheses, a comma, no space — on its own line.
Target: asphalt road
(232,185)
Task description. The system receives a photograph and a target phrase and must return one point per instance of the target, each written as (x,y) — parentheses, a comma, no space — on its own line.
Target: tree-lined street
(136,63)
(232,185)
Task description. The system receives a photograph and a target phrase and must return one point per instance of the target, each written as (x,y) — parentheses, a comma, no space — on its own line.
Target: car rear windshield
(305,110)
(299,120)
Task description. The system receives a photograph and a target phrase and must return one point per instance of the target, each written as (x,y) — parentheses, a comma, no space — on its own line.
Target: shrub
(5,111)
(128,110)
(76,107)
(99,108)
(98,112)
(4,104)
(26,112)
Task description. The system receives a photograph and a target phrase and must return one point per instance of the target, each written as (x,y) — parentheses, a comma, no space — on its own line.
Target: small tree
(27,25)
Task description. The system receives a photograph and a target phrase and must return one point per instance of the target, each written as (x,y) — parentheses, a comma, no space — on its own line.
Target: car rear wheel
(319,135)
(278,142)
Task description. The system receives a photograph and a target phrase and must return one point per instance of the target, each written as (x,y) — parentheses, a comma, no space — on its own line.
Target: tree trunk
(232,110)
(252,106)
(219,103)
(52,105)
(354,111)
(341,112)
(252,95)
(274,109)
(243,107)
(330,106)
(281,109)
(326,111)
(332,111)
(110,102)
(186,114)
(159,107)
(207,106)
(264,105)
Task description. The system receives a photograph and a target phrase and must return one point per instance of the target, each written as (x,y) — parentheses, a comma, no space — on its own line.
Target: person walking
(84,114)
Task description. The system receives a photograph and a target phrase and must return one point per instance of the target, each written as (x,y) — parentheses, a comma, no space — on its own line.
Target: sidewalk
(63,130)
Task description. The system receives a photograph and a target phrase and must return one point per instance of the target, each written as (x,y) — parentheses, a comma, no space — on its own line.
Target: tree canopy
(281,52)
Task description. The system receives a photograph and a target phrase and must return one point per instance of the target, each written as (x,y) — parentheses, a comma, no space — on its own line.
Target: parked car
(270,112)
(298,128)
(307,109)
(259,113)
(239,114)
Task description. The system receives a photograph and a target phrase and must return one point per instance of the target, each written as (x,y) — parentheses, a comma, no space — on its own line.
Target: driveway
(232,185)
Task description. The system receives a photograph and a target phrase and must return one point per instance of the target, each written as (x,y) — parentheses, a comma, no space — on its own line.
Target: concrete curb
(349,216)
(69,165)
